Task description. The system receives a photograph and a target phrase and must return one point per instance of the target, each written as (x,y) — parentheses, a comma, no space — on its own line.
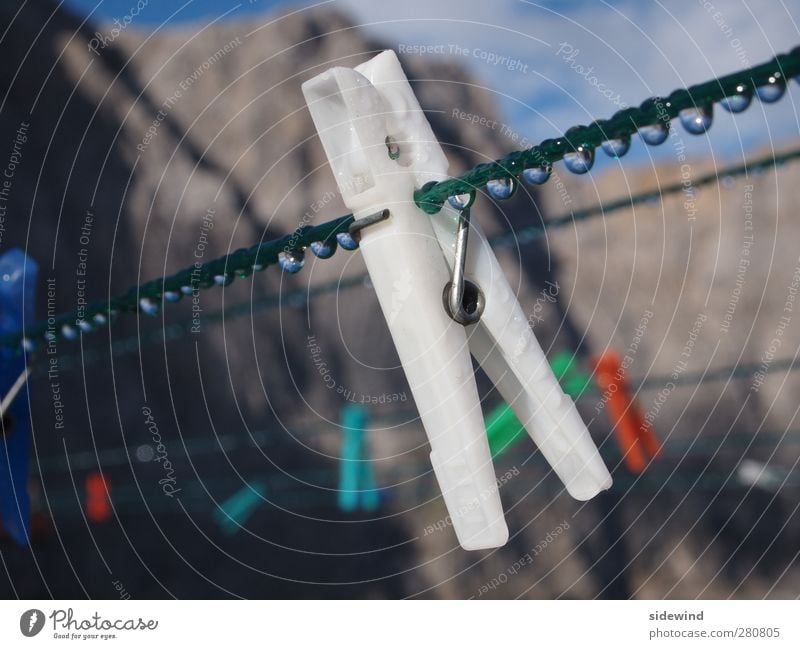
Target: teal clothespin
(17,296)
(357,488)
(234,512)
(502,426)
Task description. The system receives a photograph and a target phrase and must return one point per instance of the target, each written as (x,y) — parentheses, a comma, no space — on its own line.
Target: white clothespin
(427,274)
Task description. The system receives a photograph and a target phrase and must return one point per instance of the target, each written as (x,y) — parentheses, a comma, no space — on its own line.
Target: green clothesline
(626,122)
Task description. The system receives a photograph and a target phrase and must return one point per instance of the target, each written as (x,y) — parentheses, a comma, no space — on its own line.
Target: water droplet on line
(69,332)
(346,241)
(654,134)
(149,306)
(291,262)
(616,147)
(579,161)
(581,158)
(501,188)
(537,175)
(460,201)
(697,120)
(738,102)
(323,249)
(773,90)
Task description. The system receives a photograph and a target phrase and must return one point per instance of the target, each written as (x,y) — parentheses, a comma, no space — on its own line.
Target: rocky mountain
(146,151)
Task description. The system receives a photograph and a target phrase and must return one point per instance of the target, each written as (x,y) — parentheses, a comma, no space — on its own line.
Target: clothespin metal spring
(463,300)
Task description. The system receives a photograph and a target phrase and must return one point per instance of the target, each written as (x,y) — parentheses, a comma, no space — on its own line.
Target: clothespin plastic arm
(574,382)
(504,429)
(504,345)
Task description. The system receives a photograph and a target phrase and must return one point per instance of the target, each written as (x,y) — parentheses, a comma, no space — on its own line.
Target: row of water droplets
(695,120)
(291,261)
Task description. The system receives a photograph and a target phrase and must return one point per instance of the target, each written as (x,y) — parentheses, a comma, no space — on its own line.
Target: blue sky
(562,53)
(176,11)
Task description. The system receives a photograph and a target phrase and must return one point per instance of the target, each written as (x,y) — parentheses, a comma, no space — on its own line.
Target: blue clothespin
(17,295)
(356,475)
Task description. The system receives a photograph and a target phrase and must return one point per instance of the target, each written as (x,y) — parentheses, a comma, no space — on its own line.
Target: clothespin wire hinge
(463,299)
(354,230)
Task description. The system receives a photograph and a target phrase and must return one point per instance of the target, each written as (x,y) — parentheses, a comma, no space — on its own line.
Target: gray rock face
(159,149)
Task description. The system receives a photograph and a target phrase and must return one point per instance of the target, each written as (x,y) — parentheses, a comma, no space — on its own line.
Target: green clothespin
(234,512)
(573,381)
(503,429)
(502,426)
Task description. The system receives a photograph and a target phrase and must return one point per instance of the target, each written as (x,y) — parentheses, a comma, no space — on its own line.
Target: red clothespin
(637,441)
(98,506)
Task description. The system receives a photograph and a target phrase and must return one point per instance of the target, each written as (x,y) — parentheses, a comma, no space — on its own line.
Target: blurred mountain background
(158,134)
